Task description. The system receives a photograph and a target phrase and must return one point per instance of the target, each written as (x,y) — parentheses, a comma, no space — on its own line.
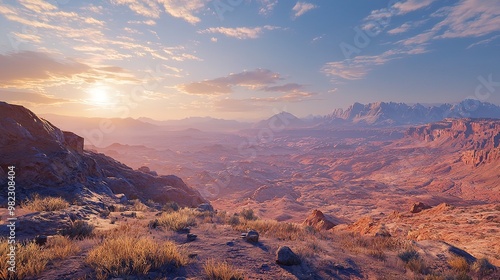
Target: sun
(99,95)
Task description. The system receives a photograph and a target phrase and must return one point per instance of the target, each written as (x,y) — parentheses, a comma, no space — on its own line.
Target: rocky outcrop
(318,221)
(53,163)
(418,207)
(478,139)
(73,141)
(462,133)
(479,157)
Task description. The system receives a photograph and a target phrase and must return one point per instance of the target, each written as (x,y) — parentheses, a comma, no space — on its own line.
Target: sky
(244,59)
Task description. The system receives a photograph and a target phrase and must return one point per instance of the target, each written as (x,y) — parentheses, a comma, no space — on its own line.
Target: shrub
(416,265)
(483,267)
(248,214)
(37,203)
(78,230)
(171,206)
(139,206)
(127,255)
(178,220)
(459,264)
(408,255)
(234,220)
(216,270)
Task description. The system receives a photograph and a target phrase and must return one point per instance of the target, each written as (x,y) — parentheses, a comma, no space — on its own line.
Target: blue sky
(244,59)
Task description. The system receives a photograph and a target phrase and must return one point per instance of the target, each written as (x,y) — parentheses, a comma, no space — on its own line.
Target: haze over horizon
(244,60)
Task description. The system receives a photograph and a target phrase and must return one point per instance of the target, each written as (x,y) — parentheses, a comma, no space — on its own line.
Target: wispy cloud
(468,18)
(30,97)
(359,66)
(267,6)
(239,32)
(484,42)
(184,9)
(149,22)
(38,6)
(301,8)
(404,7)
(147,8)
(34,69)
(224,85)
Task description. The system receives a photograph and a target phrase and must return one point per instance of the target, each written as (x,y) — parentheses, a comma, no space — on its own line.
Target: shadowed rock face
(53,163)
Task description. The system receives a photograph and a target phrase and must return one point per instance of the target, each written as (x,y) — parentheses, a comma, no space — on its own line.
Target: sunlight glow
(99,96)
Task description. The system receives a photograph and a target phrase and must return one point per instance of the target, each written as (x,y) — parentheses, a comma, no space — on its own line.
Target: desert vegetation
(32,259)
(39,203)
(220,270)
(124,255)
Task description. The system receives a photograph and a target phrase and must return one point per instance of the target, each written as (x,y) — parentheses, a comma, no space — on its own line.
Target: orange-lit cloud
(30,97)
(34,69)
(224,85)
(239,32)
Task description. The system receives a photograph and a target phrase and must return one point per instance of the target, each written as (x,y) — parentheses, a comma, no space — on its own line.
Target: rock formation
(53,163)
(418,207)
(318,221)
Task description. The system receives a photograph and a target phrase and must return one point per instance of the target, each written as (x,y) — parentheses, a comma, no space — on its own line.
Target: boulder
(285,256)
(251,236)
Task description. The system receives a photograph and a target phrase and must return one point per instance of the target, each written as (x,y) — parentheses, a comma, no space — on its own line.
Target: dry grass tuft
(374,247)
(459,264)
(417,265)
(483,267)
(139,206)
(128,255)
(38,203)
(413,261)
(178,220)
(61,247)
(32,259)
(79,230)
(217,270)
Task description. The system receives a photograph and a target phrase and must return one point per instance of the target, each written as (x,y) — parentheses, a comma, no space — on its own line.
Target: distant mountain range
(377,114)
(390,113)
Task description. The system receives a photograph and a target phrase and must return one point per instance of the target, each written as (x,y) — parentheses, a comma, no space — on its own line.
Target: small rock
(230,243)
(154,224)
(252,236)
(192,256)
(185,230)
(285,256)
(191,237)
(265,267)
(205,207)
(122,198)
(40,240)
(338,266)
